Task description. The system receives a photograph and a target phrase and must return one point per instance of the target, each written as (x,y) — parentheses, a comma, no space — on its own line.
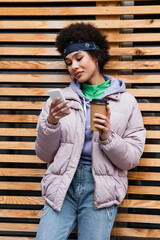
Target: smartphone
(54,93)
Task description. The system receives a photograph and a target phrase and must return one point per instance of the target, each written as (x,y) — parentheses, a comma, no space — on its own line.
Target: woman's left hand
(103,124)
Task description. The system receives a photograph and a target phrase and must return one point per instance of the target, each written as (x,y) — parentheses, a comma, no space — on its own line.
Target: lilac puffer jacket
(61,145)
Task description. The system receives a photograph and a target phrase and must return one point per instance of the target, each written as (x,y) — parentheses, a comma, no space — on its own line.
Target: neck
(97,80)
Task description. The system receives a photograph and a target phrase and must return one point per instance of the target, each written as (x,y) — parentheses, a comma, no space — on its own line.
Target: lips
(78,74)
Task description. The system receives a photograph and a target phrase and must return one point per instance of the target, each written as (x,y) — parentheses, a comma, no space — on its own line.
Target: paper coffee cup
(96,106)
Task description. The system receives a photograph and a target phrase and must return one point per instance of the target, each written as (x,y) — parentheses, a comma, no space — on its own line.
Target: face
(82,66)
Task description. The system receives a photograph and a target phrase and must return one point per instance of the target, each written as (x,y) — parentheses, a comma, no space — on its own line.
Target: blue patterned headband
(79,46)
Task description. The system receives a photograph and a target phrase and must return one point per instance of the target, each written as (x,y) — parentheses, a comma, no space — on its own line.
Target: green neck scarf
(95,91)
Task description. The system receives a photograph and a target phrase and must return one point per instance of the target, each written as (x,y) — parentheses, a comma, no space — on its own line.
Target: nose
(75,65)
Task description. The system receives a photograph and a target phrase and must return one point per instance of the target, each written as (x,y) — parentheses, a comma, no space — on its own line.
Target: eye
(79,59)
(68,63)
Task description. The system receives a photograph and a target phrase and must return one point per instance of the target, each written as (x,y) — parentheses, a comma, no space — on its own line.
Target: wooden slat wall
(30,65)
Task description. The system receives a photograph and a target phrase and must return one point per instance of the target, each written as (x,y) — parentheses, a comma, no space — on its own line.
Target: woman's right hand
(56,112)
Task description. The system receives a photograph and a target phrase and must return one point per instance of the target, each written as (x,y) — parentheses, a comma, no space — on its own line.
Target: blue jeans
(78,209)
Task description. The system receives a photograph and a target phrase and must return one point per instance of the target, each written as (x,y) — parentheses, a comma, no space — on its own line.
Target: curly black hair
(85,32)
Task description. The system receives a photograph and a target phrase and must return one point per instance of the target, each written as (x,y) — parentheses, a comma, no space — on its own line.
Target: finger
(98,115)
(55,101)
(100,121)
(103,128)
(62,106)
(56,107)
(108,112)
(62,110)
(100,127)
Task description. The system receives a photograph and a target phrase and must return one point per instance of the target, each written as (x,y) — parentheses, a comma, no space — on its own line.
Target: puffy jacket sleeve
(125,152)
(47,136)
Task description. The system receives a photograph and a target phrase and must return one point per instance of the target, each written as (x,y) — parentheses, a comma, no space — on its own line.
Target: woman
(87,171)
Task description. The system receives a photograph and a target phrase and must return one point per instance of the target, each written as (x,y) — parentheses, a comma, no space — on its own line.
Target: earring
(97,66)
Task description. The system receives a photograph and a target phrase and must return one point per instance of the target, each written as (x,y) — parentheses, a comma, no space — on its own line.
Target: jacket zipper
(93,172)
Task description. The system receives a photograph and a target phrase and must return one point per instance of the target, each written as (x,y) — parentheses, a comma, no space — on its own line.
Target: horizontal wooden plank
(21,172)
(34,119)
(135,51)
(139,65)
(150,107)
(51,37)
(146,176)
(22,238)
(27,132)
(133,37)
(72,11)
(27,200)
(37,1)
(43,92)
(143,190)
(35,78)
(152,162)
(151,204)
(34,186)
(151,120)
(138,218)
(32,65)
(16,238)
(155,148)
(145,92)
(30,132)
(65,78)
(17,145)
(21,105)
(45,51)
(19,227)
(18,118)
(121,217)
(60,65)
(10,213)
(153,134)
(24,51)
(147,204)
(20,37)
(145,79)
(15,158)
(136,232)
(101,24)
(31,186)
